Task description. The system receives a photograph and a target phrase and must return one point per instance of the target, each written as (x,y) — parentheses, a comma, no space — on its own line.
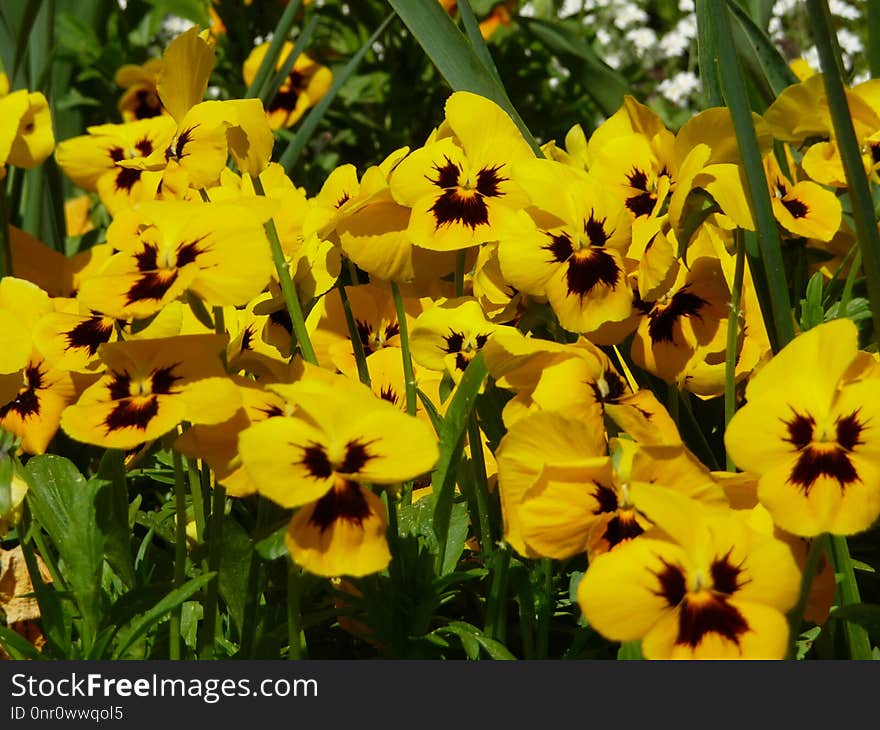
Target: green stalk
(545,609)
(856,636)
(408,372)
(179,552)
(302,41)
(294,617)
(481,486)
(356,345)
(215,551)
(279,36)
(859,190)
(495,613)
(198,499)
(848,285)
(459,272)
(5,234)
(707,52)
(781,330)
(393,534)
(796,616)
(733,335)
(874,37)
(288,289)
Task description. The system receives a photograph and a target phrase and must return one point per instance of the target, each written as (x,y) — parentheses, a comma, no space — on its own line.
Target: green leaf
(76,38)
(112,511)
(630,651)
(605,85)
(17,646)
(7,468)
(776,69)
(279,36)
(431,410)
(812,311)
(866,615)
(64,504)
(160,610)
(454,57)
(451,445)
(310,123)
(470,635)
(235,564)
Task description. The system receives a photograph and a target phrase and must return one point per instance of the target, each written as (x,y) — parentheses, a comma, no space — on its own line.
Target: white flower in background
(811,56)
(776,30)
(844,10)
(603,36)
(570,7)
(784,7)
(849,42)
(627,14)
(527,10)
(174,25)
(686,6)
(613,59)
(644,39)
(678,88)
(679,39)
(861,78)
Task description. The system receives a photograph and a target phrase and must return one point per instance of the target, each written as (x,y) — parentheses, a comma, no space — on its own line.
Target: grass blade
(163,607)
(860,193)
(781,327)
(708,54)
(313,118)
(454,57)
(606,87)
(452,431)
(302,42)
(472,29)
(282,30)
(777,72)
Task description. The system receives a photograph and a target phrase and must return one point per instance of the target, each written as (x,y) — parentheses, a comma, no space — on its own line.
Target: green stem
(796,616)
(279,36)
(294,617)
(733,335)
(215,552)
(198,498)
(251,616)
(481,486)
(357,345)
(179,552)
(707,52)
(545,609)
(856,636)
(5,234)
(782,329)
(393,534)
(873,25)
(408,372)
(459,272)
(495,605)
(850,154)
(288,290)
(848,285)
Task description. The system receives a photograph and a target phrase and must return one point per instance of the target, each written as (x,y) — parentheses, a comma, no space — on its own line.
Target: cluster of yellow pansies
(572,272)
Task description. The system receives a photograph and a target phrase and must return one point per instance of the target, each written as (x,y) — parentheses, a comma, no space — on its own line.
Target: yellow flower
(217,251)
(305,85)
(339,438)
(150,387)
(26,136)
(701,585)
(572,249)
(812,435)
(90,160)
(457,183)
(141,99)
